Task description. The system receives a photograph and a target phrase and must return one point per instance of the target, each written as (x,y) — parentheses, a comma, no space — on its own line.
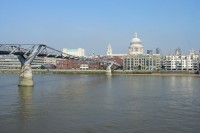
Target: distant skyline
(93,24)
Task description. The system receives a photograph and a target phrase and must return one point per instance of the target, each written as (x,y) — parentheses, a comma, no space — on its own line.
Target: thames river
(100,104)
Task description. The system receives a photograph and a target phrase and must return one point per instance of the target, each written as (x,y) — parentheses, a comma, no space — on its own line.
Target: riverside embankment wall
(115,72)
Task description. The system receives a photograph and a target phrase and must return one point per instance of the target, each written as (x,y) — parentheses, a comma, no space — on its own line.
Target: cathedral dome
(136,40)
(136,46)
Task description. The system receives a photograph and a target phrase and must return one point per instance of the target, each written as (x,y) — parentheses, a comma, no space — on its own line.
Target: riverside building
(12,62)
(137,60)
(75,52)
(182,62)
(9,62)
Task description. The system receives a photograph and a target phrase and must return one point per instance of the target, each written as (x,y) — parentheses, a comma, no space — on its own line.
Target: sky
(93,24)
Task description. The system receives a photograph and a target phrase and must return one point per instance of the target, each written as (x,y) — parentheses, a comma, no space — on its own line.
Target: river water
(100,104)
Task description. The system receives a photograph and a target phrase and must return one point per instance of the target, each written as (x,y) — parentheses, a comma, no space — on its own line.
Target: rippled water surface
(100,104)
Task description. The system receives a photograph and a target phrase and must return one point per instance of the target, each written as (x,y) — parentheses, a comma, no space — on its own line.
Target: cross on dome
(136,36)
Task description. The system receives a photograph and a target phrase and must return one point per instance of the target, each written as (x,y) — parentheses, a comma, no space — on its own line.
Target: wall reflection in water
(25,102)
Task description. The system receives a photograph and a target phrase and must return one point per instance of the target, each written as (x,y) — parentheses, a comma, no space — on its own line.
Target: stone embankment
(115,72)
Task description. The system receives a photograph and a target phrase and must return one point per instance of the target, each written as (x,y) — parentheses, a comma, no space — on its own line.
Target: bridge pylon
(26,76)
(109,70)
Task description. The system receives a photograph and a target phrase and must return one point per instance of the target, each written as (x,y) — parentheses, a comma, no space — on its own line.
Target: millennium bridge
(27,52)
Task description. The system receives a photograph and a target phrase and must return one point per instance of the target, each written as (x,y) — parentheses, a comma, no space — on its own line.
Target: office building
(149,52)
(178,51)
(158,51)
(75,52)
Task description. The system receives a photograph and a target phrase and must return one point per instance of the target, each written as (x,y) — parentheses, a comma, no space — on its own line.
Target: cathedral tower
(109,50)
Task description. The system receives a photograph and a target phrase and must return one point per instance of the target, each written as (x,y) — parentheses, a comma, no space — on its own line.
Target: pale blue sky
(92,24)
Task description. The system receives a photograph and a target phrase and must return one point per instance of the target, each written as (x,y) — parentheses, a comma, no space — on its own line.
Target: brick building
(76,64)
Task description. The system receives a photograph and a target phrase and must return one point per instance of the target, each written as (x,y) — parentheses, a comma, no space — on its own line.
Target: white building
(182,62)
(76,52)
(142,62)
(49,60)
(84,67)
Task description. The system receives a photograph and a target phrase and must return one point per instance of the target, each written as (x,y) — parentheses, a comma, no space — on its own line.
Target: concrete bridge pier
(109,70)
(26,76)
